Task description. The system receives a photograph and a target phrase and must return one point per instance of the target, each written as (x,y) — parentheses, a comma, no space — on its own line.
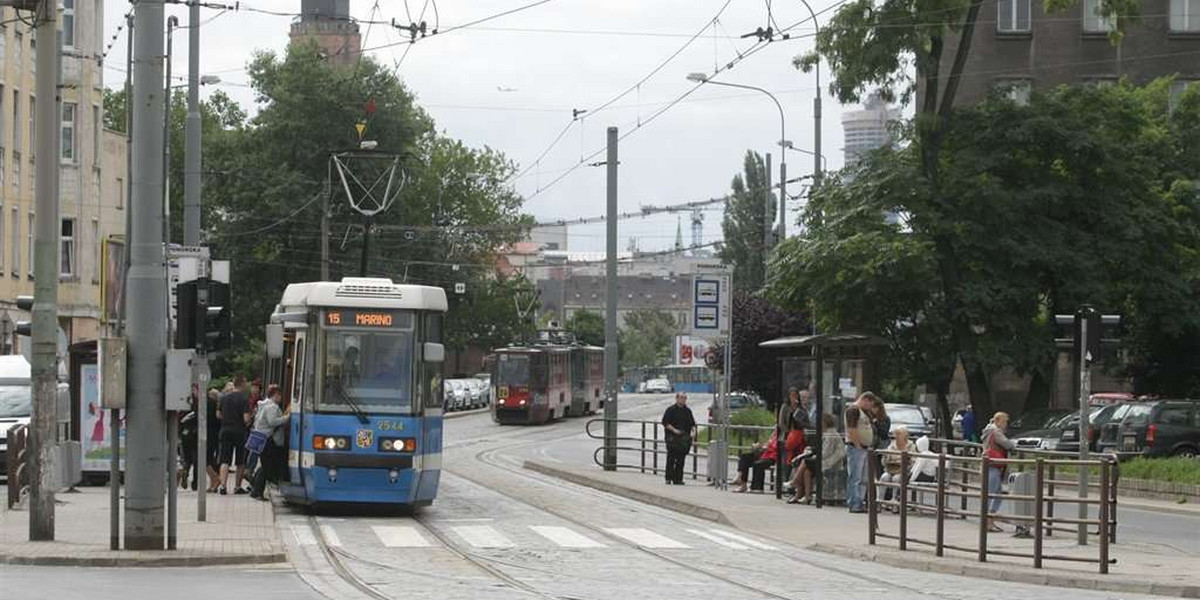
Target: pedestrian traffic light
(203,315)
(25,328)
(218,321)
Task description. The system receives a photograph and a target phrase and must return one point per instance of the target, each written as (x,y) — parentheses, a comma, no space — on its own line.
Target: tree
(872,45)
(747,213)
(485,316)
(588,327)
(645,340)
(756,320)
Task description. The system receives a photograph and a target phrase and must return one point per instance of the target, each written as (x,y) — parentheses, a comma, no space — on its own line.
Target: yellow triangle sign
(361,127)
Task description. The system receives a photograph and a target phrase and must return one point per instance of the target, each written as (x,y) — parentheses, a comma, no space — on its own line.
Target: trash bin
(1021,484)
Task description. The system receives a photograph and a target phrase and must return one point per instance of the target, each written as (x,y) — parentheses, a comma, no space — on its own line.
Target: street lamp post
(817,166)
(703,78)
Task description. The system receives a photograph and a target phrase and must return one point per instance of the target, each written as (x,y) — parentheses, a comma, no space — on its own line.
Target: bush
(747,416)
(1172,470)
(753,416)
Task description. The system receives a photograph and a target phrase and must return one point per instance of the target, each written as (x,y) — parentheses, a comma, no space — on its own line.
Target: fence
(966,478)
(649,445)
(18,470)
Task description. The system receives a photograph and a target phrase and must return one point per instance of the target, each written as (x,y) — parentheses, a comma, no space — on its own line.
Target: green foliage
(588,327)
(744,224)
(485,316)
(1172,470)
(756,320)
(759,417)
(645,340)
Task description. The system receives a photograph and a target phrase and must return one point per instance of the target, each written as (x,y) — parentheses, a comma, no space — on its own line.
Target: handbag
(994,453)
(256,442)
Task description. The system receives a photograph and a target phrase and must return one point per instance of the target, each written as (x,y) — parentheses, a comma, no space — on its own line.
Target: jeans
(856,478)
(995,496)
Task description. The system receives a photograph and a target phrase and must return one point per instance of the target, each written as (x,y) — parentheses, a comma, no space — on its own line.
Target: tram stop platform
(238,531)
(1141,568)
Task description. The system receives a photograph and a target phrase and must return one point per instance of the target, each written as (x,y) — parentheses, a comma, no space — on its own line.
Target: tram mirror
(434,353)
(275,340)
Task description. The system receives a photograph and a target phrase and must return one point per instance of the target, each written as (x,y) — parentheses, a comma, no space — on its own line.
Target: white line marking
(304,535)
(743,539)
(645,537)
(400,537)
(482,536)
(719,540)
(566,538)
(331,536)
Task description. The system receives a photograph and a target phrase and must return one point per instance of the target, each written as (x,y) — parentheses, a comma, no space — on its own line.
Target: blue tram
(359,364)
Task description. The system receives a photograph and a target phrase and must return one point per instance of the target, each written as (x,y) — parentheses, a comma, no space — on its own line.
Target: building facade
(328,22)
(867,129)
(92,163)
(1018,47)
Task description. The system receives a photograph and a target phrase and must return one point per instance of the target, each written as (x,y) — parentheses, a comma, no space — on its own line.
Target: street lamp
(787,144)
(704,78)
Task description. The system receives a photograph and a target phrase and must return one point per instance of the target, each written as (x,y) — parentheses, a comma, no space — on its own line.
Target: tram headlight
(397,445)
(330,442)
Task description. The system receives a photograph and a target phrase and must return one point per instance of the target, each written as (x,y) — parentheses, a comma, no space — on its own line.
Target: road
(500,532)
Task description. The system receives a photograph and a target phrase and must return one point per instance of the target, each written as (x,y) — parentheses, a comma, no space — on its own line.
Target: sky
(511,84)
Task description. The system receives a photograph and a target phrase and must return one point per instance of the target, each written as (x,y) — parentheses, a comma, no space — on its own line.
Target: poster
(111,279)
(95,423)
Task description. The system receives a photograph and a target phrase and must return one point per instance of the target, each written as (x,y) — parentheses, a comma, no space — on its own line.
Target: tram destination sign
(374,319)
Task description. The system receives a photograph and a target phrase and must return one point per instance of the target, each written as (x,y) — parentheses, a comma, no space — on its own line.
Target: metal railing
(18,471)
(650,444)
(966,478)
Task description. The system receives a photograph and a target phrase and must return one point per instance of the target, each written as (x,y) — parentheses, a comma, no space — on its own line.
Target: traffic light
(25,328)
(203,316)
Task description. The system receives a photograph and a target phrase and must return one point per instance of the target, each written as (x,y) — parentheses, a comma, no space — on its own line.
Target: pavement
(238,531)
(1143,568)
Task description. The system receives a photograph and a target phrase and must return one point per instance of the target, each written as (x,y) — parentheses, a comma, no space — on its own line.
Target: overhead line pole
(610,312)
(147,294)
(192,182)
(44,368)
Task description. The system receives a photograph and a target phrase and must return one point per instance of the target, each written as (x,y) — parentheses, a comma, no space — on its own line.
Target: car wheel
(1186,452)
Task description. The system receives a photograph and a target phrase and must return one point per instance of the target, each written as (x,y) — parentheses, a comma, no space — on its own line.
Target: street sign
(711,291)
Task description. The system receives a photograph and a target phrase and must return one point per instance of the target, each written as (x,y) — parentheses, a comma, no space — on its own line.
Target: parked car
(16,401)
(1097,418)
(478,391)
(485,379)
(739,401)
(641,387)
(659,386)
(1037,419)
(1048,437)
(1157,429)
(458,395)
(911,417)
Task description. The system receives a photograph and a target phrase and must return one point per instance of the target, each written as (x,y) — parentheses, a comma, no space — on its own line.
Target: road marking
(566,538)
(394,536)
(331,536)
(304,535)
(645,537)
(482,536)
(743,539)
(719,540)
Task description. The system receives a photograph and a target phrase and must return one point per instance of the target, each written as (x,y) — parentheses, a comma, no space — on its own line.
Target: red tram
(546,380)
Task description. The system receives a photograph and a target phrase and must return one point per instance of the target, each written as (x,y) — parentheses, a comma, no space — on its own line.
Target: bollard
(1038,530)
(903,501)
(1115,476)
(655,470)
(1105,499)
(963,499)
(984,465)
(872,510)
(643,441)
(941,503)
(1050,502)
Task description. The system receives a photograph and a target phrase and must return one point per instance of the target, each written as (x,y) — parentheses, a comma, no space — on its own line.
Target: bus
(359,364)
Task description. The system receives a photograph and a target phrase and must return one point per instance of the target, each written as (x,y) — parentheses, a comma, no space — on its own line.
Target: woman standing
(269,421)
(996,446)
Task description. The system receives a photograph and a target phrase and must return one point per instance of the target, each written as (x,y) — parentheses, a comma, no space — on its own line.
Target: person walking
(269,421)
(996,446)
(860,437)
(234,411)
(680,426)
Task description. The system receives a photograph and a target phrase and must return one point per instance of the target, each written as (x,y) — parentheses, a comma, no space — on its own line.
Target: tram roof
(363,292)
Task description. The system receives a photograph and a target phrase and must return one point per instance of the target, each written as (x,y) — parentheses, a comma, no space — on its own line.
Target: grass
(1172,470)
(747,416)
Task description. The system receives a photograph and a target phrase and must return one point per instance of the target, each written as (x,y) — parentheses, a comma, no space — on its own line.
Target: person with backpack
(996,446)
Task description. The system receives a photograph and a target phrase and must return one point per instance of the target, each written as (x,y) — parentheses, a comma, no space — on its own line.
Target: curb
(466,413)
(1083,581)
(150,562)
(687,508)
(1165,509)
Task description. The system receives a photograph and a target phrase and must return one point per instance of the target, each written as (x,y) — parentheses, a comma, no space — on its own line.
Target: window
(2,165)
(16,177)
(1012,16)
(68,131)
(120,193)
(1185,16)
(16,121)
(1093,22)
(18,43)
(29,242)
(16,242)
(1174,415)
(1016,90)
(66,255)
(1,240)
(3,45)
(32,121)
(68,23)
(96,185)
(97,249)
(96,128)
(1,96)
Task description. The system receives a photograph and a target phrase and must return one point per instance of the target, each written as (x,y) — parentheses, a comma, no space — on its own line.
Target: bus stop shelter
(821,364)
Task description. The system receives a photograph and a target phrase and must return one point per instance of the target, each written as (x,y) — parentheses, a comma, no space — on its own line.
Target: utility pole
(767,215)
(783,197)
(610,312)
(325,227)
(191,238)
(147,294)
(44,369)
(1085,391)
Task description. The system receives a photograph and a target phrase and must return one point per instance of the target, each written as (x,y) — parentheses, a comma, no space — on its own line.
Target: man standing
(860,437)
(680,428)
(234,413)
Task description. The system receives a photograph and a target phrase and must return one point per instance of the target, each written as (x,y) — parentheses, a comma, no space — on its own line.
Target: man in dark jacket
(680,428)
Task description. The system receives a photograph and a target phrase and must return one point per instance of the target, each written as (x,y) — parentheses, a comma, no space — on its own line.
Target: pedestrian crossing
(505,537)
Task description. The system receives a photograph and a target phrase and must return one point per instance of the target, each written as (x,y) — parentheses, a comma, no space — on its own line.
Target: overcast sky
(511,84)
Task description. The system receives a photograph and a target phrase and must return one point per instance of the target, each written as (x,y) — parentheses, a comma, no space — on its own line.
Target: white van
(16,401)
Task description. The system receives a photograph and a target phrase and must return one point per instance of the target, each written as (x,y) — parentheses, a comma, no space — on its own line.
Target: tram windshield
(368,371)
(512,370)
